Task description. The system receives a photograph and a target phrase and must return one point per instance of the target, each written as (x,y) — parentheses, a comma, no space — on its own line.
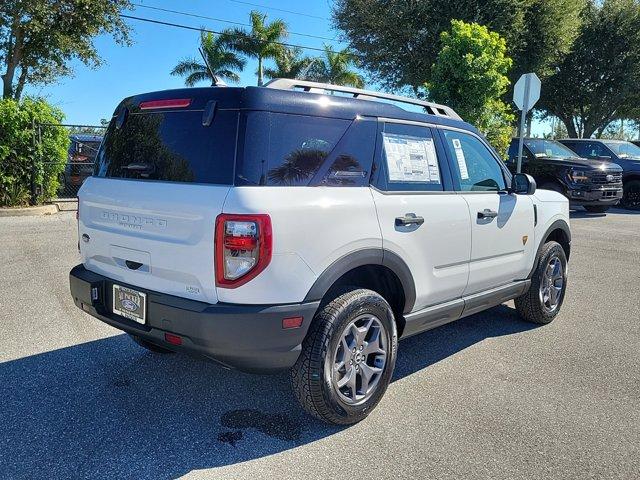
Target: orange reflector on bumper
(173,339)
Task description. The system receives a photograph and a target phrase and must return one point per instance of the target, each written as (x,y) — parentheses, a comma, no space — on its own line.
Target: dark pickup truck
(594,185)
(620,152)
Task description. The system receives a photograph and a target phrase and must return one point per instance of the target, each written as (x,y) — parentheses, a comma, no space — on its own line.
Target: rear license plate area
(130,304)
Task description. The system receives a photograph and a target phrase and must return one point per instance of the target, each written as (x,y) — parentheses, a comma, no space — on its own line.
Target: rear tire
(596,208)
(631,195)
(542,302)
(347,358)
(152,347)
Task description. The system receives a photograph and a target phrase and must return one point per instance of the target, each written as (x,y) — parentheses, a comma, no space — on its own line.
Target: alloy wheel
(552,284)
(359,359)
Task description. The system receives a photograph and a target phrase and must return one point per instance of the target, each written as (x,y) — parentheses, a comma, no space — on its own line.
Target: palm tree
(289,64)
(263,41)
(335,68)
(221,62)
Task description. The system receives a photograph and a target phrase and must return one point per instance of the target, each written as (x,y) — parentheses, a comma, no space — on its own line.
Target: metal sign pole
(523,120)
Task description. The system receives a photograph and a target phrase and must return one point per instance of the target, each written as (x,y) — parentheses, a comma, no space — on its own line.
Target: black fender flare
(359,258)
(558,224)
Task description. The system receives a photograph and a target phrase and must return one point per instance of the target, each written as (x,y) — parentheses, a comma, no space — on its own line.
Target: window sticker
(411,159)
(462,162)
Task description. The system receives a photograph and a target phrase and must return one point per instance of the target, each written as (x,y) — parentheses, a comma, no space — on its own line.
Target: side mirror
(523,184)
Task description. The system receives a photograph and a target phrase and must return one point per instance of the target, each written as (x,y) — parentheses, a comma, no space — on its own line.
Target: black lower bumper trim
(246,337)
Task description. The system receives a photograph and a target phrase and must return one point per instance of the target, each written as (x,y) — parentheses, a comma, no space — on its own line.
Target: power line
(195,15)
(199,29)
(278,9)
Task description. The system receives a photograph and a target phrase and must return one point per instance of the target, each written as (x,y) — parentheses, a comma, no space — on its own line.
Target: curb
(26,211)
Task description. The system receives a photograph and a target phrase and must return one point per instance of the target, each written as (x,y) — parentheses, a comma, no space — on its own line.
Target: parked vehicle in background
(593,184)
(300,227)
(81,160)
(624,153)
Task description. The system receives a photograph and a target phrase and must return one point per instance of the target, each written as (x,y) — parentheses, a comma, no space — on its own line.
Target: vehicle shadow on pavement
(109,409)
(579,214)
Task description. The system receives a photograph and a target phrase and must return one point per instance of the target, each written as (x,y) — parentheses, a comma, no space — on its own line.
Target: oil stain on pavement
(273,425)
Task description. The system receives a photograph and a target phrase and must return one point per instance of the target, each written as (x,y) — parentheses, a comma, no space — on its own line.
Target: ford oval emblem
(129,305)
(609,178)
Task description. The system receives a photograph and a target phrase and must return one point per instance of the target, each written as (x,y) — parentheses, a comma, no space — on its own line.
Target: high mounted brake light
(243,245)
(170,103)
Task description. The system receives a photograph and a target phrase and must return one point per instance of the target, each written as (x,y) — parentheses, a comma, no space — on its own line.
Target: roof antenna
(216,81)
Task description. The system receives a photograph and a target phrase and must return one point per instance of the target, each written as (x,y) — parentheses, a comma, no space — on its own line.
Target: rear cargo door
(147,216)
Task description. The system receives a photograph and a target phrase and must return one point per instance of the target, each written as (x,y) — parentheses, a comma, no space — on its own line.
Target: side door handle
(409,219)
(486,213)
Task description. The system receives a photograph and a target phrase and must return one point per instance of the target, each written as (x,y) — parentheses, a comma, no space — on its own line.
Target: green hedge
(26,154)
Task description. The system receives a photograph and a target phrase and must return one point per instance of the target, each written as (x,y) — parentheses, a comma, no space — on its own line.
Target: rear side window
(283,149)
(590,149)
(409,159)
(170,146)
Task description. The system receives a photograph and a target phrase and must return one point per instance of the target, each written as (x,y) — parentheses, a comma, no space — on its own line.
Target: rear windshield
(170,146)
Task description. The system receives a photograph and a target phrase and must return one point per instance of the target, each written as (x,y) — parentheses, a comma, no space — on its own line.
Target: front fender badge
(524,239)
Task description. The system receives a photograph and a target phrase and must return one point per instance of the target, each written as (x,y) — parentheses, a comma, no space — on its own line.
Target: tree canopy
(599,80)
(38,39)
(290,64)
(263,41)
(336,68)
(470,75)
(397,41)
(218,61)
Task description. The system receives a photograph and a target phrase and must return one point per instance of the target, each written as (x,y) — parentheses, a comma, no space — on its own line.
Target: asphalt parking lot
(488,396)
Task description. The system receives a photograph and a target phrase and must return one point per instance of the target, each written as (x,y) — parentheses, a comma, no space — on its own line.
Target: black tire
(596,208)
(530,305)
(631,195)
(312,377)
(152,347)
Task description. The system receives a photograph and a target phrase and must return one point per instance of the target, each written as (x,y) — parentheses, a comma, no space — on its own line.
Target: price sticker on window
(411,159)
(462,162)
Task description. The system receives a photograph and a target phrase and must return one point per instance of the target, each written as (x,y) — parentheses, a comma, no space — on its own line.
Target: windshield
(548,148)
(624,149)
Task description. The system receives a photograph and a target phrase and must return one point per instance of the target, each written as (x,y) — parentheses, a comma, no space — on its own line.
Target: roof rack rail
(317,87)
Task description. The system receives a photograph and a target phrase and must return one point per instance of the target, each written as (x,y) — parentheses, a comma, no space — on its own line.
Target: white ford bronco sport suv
(287,228)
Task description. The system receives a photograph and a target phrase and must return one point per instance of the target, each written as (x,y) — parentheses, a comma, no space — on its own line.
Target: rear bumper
(606,196)
(245,337)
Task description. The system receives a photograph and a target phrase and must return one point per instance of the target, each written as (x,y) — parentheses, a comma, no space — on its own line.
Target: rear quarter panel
(312,228)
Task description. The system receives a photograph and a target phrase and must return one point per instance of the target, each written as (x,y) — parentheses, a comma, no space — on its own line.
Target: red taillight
(243,245)
(170,103)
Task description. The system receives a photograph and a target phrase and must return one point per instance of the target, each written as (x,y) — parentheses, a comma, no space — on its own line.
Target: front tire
(542,302)
(631,195)
(347,358)
(596,208)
